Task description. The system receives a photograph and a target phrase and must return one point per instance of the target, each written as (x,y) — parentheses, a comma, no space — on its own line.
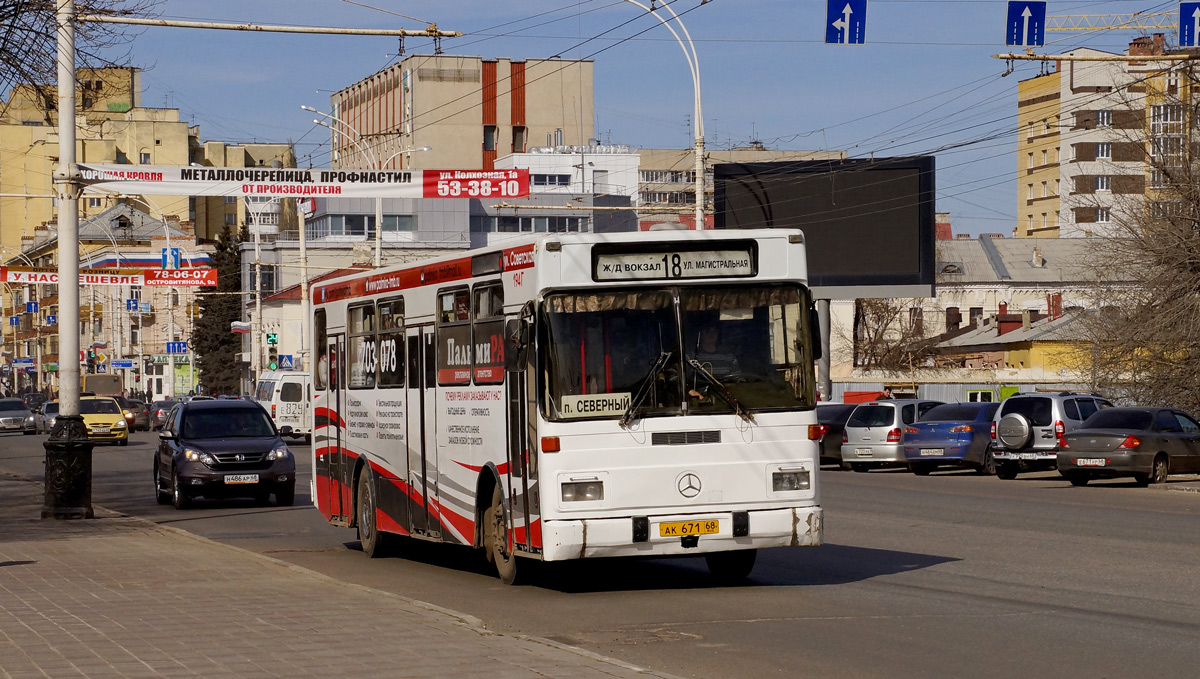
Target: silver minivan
(874,433)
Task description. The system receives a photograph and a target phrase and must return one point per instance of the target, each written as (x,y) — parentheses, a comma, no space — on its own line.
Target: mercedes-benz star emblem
(688,485)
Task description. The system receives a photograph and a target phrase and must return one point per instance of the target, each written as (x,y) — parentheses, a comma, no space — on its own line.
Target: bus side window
(363,347)
(391,342)
(321,375)
(489,333)
(454,348)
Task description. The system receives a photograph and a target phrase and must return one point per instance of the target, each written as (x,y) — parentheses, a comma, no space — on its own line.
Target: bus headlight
(782,482)
(584,491)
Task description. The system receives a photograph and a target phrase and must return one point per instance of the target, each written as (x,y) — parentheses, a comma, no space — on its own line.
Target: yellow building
(1039,153)
(112,127)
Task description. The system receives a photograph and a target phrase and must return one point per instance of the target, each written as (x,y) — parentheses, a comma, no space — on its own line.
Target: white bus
(575,396)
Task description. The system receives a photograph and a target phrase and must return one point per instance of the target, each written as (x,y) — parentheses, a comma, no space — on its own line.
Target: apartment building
(1094,135)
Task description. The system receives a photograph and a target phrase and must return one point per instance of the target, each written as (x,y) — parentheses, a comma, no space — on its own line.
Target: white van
(287,396)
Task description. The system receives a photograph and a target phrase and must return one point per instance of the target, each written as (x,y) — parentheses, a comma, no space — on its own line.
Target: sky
(923,82)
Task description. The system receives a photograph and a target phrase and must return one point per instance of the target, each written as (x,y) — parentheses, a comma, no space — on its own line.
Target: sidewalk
(123,597)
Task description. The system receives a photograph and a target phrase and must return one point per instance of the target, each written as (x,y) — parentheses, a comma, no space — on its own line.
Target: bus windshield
(691,350)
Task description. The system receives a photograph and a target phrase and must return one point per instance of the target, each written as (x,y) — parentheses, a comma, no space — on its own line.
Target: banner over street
(299,182)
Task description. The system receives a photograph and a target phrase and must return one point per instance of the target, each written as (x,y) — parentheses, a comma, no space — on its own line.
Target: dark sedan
(141,416)
(1146,444)
(159,410)
(16,416)
(952,434)
(219,449)
(834,416)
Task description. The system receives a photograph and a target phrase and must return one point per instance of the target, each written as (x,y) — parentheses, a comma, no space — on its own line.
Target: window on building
(1044,223)
(1104,150)
(122,159)
(1104,118)
(1045,156)
(1031,160)
(976,313)
(1056,187)
(133,334)
(1166,143)
(397,223)
(550,180)
(230,219)
(520,138)
(1103,215)
(1031,130)
(1030,228)
(916,320)
(489,137)
(1030,191)
(144,158)
(95,202)
(1045,190)
(230,200)
(1103,182)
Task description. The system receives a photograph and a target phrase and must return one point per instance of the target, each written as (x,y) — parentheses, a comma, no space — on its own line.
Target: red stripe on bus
(329,414)
(513,259)
(500,468)
(387,523)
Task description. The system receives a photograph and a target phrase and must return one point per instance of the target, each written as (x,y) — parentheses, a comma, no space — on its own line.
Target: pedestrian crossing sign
(285,362)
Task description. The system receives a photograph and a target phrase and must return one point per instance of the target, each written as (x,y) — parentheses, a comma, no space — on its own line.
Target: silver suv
(1028,429)
(874,434)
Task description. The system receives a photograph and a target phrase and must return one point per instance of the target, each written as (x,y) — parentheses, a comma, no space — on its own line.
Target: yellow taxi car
(104,419)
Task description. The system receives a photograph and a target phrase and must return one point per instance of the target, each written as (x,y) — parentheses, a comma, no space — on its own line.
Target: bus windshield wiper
(722,391)
(644,390)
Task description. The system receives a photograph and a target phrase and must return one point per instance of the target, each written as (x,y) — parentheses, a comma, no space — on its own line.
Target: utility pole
(68,480)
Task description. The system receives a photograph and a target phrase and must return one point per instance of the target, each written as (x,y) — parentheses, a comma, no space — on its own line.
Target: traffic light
(91,361)
(273,357)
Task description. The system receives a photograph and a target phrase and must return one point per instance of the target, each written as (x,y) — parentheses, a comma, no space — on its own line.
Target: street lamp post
(689,53)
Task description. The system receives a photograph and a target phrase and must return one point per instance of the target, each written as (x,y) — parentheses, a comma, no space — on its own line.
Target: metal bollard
(68,478)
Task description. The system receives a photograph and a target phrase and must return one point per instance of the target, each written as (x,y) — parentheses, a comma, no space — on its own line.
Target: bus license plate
(933,451)
(241,478)
(676,529)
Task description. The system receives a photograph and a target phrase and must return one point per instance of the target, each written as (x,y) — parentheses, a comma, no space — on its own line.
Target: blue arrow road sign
(14,320)
(177,347)
(131,305)
(52,319)
(170,258)
(122,362)
(31,307)
(845,22)
(285,362)
(22,361)
(1189,23)
(1026,23)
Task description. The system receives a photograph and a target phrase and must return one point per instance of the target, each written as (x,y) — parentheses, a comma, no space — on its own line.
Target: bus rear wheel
(731,567)
(495,535)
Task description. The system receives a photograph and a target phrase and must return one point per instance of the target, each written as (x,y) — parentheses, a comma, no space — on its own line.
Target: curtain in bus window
(391,343)
(489,334)
(754,341)
(601,348)
(364,356)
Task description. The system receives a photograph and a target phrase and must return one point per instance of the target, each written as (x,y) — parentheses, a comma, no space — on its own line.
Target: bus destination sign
(673,265)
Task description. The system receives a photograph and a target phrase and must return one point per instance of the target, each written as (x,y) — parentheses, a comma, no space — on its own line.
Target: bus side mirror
(814,331)
(516,336)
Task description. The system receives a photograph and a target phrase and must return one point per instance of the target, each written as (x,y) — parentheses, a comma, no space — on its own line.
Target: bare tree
(889,335)
(1145,336)
(29,42)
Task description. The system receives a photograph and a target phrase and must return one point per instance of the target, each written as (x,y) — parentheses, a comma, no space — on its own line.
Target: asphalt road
(950,575)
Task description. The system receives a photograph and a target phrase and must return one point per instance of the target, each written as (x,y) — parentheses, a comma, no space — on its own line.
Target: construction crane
(1154,21)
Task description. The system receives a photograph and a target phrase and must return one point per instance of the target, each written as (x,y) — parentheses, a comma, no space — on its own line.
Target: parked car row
(1083,436)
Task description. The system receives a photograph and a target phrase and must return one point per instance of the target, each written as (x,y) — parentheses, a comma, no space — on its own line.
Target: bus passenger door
(523,507)
(421,439)
(340,467)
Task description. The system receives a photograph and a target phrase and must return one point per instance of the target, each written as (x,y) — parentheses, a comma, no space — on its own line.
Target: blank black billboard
(868,223)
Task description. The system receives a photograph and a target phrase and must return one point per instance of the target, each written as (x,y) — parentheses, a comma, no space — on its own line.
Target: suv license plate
(1091,462)
(864,452)
(676,529)
(1026,456)
(933,451)
(241,478)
